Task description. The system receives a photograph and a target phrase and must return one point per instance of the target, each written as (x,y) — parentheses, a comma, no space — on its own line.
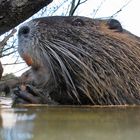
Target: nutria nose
(24,30)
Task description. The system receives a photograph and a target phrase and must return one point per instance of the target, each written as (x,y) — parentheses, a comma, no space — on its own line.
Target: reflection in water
(16,126)
(63,123)
(89,124)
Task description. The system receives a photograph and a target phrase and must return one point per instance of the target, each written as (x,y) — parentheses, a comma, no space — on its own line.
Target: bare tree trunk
(74,6)
(13,12)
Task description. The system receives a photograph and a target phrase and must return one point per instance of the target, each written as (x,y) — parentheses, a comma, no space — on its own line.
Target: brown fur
(81,61)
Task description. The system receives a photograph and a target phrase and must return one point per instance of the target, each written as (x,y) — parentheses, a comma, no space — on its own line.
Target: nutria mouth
(82,60)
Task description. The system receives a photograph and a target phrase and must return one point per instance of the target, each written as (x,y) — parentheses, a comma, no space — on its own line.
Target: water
(69,123)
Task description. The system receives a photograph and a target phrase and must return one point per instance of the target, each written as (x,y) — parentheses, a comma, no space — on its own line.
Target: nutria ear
(114,24)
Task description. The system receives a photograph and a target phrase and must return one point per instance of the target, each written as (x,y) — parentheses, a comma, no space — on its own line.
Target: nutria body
(35,77)
(81,60)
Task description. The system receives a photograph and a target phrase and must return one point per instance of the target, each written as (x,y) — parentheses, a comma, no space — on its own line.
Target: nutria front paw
(31,95)
(24,97)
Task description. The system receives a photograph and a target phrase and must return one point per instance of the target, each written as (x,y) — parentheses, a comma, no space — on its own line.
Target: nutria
(82,60)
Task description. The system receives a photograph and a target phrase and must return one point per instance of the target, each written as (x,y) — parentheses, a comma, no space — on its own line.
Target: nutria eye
(24,30)
(78,22)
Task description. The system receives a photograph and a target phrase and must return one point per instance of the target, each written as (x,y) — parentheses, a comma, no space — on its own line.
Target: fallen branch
(13,12)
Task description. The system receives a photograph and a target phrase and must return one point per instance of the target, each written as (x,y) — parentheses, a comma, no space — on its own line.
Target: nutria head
(84,61)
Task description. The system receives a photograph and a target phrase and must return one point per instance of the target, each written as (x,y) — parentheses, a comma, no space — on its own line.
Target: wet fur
(85,63)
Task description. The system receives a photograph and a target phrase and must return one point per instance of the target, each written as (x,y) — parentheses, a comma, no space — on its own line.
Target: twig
(99,7)
(120,9)
(12,46)
(8,53)
(58,7)
(67,10)
(15,63)
(6,38)
(4,41)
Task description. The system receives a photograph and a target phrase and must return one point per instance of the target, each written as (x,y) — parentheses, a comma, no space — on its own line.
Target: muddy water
(69,123)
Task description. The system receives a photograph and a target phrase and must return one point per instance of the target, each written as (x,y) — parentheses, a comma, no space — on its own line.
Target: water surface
(69,123)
